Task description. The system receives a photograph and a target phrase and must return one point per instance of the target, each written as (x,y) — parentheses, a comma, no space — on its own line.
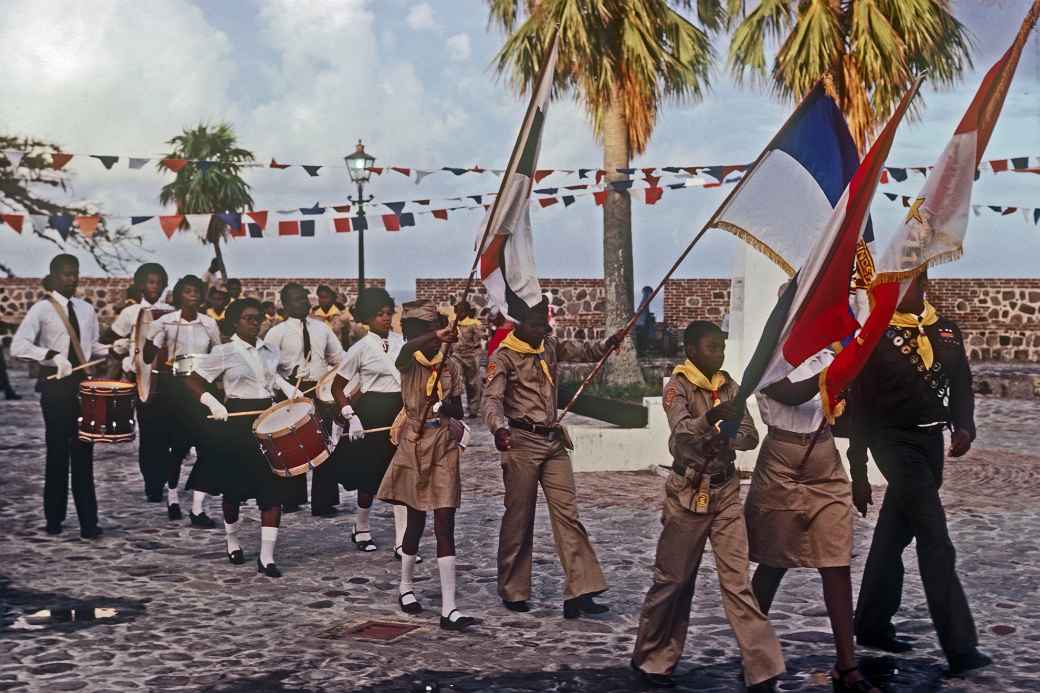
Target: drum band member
(519,407)
(61,333)
(424,474)
(702,501)
(232,464)
(367,390)
(179,339)
(307,350)
(467,352)
(916,383)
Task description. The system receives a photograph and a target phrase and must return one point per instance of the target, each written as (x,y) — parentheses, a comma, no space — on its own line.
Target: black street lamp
(358,165)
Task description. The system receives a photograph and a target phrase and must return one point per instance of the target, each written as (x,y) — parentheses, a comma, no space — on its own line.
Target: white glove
(63,366)
(217,410)
(436,408)
(287,388)
(121,346)
(355,429)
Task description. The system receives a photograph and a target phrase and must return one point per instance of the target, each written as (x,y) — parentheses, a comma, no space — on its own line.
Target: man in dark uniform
(916,383)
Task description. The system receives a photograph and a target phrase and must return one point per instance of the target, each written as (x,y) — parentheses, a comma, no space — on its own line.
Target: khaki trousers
(474,383)
(531,461)
(665,617)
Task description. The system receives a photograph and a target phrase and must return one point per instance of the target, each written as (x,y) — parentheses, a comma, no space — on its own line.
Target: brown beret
(420,310)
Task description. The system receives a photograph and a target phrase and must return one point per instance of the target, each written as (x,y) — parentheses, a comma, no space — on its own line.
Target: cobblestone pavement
(156,606)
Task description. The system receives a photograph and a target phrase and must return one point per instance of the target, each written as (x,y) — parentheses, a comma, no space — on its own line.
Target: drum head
(281,416)
(324,391)
(142,368)
(117,386)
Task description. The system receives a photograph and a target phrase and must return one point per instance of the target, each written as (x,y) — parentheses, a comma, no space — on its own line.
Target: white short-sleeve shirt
(43,330)
(806,417)
(371,363)
(326,350)
(247,371)
(182,337)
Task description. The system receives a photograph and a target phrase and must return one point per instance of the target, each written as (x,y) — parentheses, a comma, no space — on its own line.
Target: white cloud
(420,17)
(459,47)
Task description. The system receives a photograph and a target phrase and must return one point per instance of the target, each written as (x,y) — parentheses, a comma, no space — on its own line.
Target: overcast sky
(302,80)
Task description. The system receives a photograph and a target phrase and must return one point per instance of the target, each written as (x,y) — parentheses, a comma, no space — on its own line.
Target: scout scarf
(514,343)
(323,315)
(467,322)
(694,375)
(910,321)
(421,359)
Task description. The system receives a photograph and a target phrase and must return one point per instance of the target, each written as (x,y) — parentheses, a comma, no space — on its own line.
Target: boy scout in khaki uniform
(519,407)
(702,501)
(467,353)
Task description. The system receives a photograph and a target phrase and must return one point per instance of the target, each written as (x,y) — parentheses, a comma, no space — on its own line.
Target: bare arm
(793,394)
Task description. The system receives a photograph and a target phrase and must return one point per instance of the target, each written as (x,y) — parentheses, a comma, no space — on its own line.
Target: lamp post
(358,165)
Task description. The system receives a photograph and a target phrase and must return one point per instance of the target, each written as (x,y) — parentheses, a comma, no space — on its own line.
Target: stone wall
(694,299)
(107,294)
(999,317)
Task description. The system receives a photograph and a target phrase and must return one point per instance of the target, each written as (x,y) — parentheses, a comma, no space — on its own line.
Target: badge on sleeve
(492,368)
(670,393)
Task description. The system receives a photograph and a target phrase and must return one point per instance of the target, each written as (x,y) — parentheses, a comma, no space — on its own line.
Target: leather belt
(720,478)
(537,429)
(798,438)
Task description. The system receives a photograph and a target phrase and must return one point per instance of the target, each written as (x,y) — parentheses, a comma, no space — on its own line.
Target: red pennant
(14,221)
(341,224)
(547,201)
(343,209)
(275,164)
(726,170)
(288,228)
(175,165)
(649,172)
(237,231)
(88,225)
(600,196)
(440,214)
(712,185)
(541,173)
(653,180)
(599,176)
(476,169)
(170,223)
(378,170)
(58,160)
(653,195)
(999,165)
(884,176)
(692,170)
(1009,210)
(583,186)
(391,222)
(406,172)
(259,217)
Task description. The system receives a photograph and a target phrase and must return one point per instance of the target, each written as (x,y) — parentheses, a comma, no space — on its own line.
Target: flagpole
(682,257)
(491,218)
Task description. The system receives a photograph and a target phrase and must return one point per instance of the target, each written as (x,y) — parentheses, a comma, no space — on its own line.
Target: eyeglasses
(252,318)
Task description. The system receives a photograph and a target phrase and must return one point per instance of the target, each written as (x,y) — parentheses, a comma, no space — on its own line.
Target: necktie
(74,321)
(306,343)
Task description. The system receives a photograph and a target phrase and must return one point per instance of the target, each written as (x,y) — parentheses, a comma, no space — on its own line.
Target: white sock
(171,497)
(446,567)
(268,537)
(407,577)
(400,524)
(231,532)
(197,498)
(361,524)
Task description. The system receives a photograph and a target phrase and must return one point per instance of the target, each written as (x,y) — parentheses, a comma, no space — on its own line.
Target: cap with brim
(420,310)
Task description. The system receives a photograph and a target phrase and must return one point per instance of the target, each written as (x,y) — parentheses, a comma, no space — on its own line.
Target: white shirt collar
(56,295)
(259,343)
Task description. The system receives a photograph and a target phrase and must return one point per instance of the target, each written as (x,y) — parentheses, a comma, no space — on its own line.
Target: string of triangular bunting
(1028,213)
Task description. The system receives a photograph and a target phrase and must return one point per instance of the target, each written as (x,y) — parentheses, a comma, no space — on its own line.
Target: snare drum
(185,364)
(106,411)
(291,437)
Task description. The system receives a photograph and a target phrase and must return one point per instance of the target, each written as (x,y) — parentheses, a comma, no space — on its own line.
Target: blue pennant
(62,223)
(315,210)
(307,227)
(407,219)
(232,219)
(138,220)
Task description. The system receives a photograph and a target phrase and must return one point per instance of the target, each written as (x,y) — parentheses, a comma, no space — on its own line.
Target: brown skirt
(424,474)
(799,515)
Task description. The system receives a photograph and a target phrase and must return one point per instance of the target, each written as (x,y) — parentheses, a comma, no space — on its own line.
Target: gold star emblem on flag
(915,211)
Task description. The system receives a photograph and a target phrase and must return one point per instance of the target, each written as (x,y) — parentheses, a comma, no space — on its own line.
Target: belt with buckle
(798,438)
(537,429)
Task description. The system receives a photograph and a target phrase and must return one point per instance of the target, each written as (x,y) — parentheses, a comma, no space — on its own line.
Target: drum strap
(73,337)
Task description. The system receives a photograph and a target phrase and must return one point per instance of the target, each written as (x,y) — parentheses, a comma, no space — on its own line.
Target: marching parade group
(266,395)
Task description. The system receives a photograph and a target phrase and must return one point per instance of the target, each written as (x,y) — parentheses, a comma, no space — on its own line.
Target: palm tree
(213,186)
(869,50)
(621,59)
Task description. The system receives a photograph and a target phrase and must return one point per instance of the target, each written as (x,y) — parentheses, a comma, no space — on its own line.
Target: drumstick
(88,364)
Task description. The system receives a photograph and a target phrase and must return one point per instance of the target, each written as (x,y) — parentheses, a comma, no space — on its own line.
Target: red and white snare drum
(106,411)
(291,437)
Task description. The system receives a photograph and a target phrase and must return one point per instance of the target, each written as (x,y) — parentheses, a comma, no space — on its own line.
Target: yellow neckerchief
(215,315)
(514,343)
(930,316)
(320,312)
(468,322)
(694,375)
(421,359)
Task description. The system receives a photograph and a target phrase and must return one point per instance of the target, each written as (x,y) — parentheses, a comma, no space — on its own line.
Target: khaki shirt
(471,340)
(517,387)
(686,406)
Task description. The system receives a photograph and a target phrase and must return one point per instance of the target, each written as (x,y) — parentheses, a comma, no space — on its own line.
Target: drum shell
(292,451)
(106,412)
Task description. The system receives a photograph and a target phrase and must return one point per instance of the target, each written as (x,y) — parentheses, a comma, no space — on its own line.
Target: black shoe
(887,643)
(460,623)
(330,511)
(90,532)
(961,664)
(413,608)
(840,682)
(291,508)
(174,512)
(365,545)
(237,557)
(763,687)
(154,497)
(202,520)
(397,555)
(270,570)
(573,608)
(653,680)
(54,529)
(520,606)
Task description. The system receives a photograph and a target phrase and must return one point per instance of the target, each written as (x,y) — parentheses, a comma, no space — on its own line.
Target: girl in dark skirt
(233,465)
(367,389)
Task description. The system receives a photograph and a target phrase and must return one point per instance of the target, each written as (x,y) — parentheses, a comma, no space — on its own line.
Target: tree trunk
(623,367)
(214,233)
